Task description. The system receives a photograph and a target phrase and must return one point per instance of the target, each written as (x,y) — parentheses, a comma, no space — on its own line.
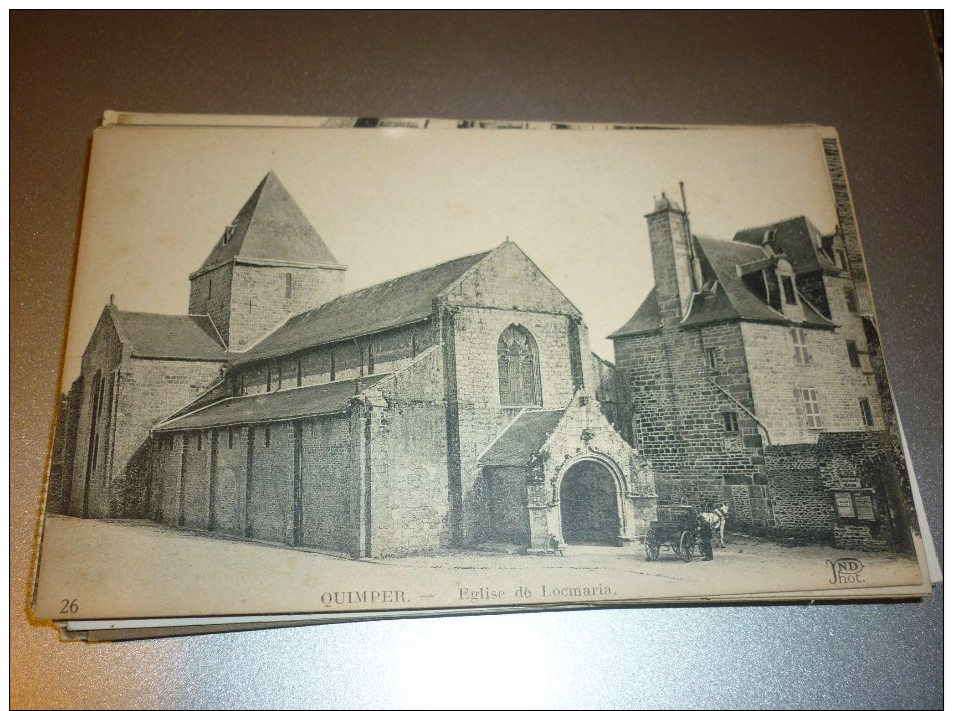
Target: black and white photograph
(340,367)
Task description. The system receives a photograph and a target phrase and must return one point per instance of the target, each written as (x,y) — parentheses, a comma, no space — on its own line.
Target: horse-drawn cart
(674,530)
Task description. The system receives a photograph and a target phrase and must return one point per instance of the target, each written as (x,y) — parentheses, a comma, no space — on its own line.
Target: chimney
(671,259)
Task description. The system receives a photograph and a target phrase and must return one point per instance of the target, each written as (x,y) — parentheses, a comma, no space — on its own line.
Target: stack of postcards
(333,369)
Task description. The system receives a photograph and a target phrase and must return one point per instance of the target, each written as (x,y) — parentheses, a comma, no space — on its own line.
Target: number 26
(69,606)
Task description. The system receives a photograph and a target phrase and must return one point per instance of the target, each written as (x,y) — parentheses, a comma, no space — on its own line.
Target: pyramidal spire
(270,226)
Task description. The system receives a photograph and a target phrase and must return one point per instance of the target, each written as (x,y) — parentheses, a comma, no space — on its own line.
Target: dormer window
(772,290)
(842,259)
(788,285)
(228,234)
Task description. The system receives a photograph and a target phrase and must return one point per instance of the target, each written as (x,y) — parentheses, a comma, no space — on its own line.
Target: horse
(717,518)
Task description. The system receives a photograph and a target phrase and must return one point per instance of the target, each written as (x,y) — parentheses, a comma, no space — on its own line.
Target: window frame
(731,423)
(802,353)
(513,360)
(789,290)
(853,354)
(810,401)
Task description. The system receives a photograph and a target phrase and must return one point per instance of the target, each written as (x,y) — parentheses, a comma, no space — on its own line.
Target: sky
(391,201)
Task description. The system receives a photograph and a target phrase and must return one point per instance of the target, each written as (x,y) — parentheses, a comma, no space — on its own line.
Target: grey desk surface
(873,76)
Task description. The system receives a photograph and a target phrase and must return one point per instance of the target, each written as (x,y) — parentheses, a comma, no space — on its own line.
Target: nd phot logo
(845,570)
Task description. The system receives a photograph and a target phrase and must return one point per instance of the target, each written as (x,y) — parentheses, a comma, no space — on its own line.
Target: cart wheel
(651,550)
(685,546)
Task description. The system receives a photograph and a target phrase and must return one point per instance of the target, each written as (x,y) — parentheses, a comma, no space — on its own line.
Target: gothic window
(288,284)
(866,413)
(518,360)
(711,358)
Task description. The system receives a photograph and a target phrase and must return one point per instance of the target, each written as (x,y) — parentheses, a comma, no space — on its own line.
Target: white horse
(717,520)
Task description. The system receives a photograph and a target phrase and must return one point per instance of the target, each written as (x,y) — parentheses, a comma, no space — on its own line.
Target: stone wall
(270,500)
(407,445)
(229,481)
(505,288)
(210,293)
(195,481)
(805,478)
(508,520)
(385,352)
(481,415)
(848,224)
(149,391)
(803,506)
(327,483)
(681,401)
(62,457)
(260,300)
(101,361)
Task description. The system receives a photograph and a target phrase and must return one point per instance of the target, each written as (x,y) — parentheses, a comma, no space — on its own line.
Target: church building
(456,406)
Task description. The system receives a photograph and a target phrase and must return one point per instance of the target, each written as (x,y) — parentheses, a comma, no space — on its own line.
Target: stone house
(455,406)
(750,370)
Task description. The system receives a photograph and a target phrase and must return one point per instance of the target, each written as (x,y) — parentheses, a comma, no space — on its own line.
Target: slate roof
(279,405)
(168,336)
(732,299)
(729,299)
(397,302)
(524,437)
(645,320)
(798,238)
(271,227)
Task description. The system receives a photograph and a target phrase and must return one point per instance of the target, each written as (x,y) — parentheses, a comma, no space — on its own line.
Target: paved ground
(131,569)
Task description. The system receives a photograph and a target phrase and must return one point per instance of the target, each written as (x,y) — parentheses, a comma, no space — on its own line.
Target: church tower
(269,263)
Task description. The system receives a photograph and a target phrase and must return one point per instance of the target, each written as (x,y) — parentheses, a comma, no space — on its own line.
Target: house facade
(455,406)
(752,379)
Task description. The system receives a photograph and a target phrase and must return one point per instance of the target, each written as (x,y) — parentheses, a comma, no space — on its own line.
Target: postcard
(326,369)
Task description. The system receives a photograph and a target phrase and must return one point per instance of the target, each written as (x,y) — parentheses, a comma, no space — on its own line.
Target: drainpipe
(748,412)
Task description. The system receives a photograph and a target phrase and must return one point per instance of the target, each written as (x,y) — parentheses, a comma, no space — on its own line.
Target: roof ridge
(793,218)
(364,289)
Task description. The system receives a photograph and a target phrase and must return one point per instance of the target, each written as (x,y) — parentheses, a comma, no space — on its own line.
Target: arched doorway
(589,507)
